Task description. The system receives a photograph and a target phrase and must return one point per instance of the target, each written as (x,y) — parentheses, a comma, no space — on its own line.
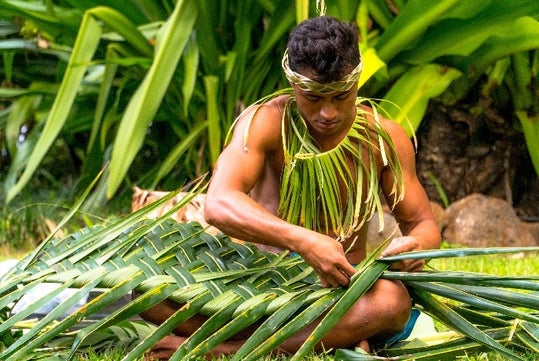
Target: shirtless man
(322,63)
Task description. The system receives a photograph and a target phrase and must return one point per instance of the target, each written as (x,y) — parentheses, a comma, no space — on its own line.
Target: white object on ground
(40,291)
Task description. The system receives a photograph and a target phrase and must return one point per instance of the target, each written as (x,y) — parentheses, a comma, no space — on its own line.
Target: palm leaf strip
(253,312)
(142,303)
(360,283)
(447,347)
(166,328)
(31,339)
(476,300)
(531,338)
(458,323)
(297,323)
(272,323)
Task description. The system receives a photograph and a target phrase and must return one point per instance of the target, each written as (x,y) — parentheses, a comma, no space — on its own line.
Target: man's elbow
(436,235)
(212,211)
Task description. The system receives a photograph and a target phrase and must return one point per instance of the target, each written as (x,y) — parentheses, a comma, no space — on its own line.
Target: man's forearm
(241,217)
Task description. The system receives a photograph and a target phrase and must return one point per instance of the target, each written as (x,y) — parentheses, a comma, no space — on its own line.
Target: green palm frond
(237,285)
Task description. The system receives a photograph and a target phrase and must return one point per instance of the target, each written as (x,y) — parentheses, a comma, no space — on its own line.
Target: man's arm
(229,207)
(413,213)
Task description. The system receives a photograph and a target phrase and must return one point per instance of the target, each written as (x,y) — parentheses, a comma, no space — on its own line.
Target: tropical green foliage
(151,87)
(236,286)
(117,80)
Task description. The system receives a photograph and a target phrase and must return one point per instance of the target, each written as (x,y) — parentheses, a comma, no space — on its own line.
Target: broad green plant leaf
(407,100)
(83,51)
(503,44)
(190,59)
(211,85)
(170,44)
(463,36)
(302,10)
(371,65)
(412,22)
(132,9)
(104,90)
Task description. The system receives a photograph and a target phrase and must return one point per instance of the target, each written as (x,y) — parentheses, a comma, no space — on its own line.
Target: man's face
(328,114)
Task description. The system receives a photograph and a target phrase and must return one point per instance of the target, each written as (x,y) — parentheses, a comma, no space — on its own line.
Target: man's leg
(381,313)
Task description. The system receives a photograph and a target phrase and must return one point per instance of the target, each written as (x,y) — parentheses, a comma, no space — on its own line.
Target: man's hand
(401,245)
(326,256)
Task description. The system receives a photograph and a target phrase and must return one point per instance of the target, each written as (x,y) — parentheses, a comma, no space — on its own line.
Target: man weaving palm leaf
(272,186)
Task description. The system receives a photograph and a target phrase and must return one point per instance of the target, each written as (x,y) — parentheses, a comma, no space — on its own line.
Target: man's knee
(394,304)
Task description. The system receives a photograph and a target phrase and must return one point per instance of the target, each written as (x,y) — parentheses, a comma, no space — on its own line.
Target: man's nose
(328,111)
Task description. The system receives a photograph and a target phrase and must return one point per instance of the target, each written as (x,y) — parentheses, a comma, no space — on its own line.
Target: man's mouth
(327,125)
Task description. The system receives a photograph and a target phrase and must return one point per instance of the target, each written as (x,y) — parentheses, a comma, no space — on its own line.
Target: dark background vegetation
(465,73)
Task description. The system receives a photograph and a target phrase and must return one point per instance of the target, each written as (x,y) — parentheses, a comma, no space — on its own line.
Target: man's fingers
(336,279)
(400,245)
(324,282)
(349,270)
(397,249)
(411,265)
(329,282)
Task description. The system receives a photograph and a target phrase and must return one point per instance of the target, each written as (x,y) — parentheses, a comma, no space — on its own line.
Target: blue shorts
(406,331)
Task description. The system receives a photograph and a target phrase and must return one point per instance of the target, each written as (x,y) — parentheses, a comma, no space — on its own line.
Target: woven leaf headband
(307,84)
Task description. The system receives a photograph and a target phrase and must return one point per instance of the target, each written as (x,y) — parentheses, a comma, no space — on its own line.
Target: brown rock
(533,228)
(440,216)
(481,221)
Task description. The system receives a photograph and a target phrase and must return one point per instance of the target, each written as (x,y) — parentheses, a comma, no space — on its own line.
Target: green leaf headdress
(307,84)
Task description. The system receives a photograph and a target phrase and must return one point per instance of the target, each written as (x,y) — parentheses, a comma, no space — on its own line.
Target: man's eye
(342,96)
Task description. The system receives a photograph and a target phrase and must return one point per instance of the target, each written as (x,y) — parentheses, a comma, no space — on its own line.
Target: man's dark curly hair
(324,46)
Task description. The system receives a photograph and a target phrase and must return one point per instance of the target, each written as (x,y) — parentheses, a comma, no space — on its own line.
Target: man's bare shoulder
(395,130)
(261,124)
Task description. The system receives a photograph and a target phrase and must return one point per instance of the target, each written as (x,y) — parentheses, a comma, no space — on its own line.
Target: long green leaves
(416,17)
(530,125)
(83,51)
(230,61)
(170,44)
